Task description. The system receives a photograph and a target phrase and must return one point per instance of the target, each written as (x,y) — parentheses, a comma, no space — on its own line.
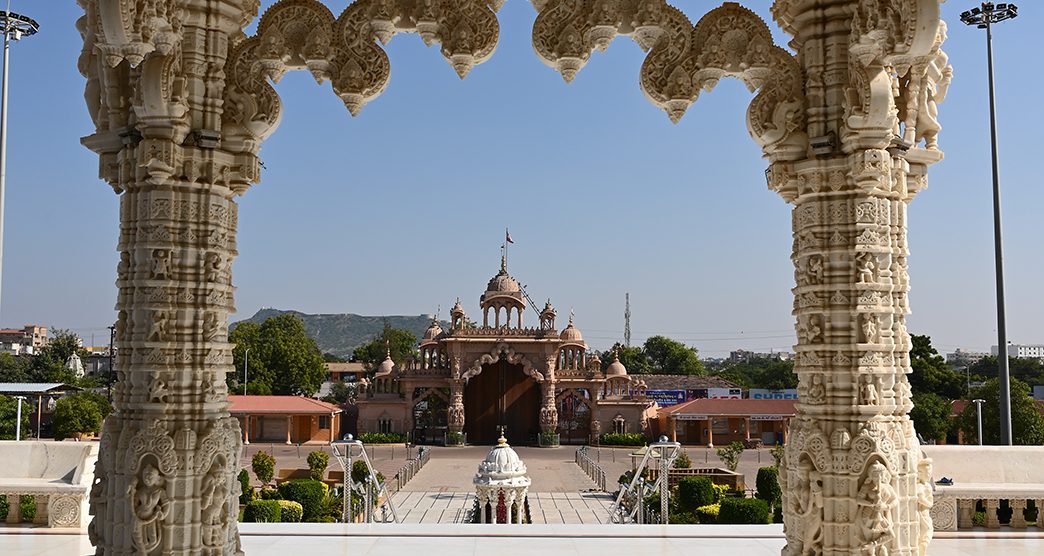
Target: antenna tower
(627,320)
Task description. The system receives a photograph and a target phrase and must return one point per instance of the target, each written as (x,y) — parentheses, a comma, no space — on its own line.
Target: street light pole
(18,418)
(978,416)
(14,27)
(984,17)
(246,366)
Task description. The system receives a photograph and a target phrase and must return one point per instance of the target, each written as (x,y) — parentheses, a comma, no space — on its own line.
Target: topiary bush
(270,494)
(263,465)
(743,511)
(730,455)
(694,492)
(622,439)
(683,461)
(262,511)
(360,472)
(246,492)
(720,491)
(290,511)
(309,493)
(708,514)
(768,486)
(317,464)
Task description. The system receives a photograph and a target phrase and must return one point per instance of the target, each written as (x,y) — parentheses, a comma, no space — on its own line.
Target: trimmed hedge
(622,439)
(262,511)
(290,511)
(246,492)
(263,465)
(695,492)
(743,511)
(269,494)
(382,438)
(310,494)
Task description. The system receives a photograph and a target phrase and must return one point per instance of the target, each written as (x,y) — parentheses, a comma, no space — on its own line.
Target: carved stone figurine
(817,390)
(213,500)
(868,391)
(812,516)
(151,506)
(815,269)
(160,264)
(866,268)
(870,328)
(925,501)
(876,500)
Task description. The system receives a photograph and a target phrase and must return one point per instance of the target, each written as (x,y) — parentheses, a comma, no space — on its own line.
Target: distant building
(744,356)
(26,340)
(1022,351)
(285,419)
(964,358)
(347,372)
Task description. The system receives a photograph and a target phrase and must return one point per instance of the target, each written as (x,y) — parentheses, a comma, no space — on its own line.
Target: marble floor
(546,540)
(544,507)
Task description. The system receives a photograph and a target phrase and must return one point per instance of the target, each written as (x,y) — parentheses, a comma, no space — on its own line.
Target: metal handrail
(591,467)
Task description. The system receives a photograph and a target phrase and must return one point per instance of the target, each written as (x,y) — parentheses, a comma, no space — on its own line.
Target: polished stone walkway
(262,539)
(544,507)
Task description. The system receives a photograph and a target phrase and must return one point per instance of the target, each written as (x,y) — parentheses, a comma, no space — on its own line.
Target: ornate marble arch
(730,41)
(503,351)
(305,35)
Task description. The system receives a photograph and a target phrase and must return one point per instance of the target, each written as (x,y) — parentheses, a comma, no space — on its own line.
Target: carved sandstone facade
(181,100)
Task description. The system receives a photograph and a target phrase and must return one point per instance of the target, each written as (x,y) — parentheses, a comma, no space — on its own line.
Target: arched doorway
(501,395)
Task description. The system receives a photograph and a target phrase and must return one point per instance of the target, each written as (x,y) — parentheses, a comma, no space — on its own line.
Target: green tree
(263,465)
(633,358)
(931,374)
(1030,371)
(77,414)
(284,360)
(400,343)
(9,417)
(317,464)
(13,368)
(730,455)
(48,364)
(673,358)
(1027,423)
(931,416)
(761,372)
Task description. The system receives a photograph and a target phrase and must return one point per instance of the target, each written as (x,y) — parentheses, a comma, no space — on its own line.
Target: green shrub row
(622,439)
(694,492)
(290,511)
(382,438)
(262,511)
(736,510)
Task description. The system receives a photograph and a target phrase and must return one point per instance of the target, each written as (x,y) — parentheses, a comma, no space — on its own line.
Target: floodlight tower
(984,17)
(14,27)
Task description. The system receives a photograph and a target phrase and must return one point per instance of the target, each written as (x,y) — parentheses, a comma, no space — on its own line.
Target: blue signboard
(667,397)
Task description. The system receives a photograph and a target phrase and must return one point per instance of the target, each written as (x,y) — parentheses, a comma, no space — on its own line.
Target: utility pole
(627,320)
(14,27)
(984,18)
(246,367)
(18,418)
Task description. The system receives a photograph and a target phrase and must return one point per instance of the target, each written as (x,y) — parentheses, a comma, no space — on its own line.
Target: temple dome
(386,368)
(571,334)
(432,332)
(616,368)
(502,282)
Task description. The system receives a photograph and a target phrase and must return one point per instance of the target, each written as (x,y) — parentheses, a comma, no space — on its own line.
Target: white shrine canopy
(502,468)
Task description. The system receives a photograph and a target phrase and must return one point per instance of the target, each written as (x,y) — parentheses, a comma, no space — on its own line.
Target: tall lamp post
(984,17)
(18,418)
(978,415)
(14,27)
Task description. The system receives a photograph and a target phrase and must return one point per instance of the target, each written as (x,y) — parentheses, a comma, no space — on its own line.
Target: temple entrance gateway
(182,102)
(501,395)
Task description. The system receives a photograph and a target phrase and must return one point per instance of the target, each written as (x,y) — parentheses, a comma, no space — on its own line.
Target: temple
(535,384)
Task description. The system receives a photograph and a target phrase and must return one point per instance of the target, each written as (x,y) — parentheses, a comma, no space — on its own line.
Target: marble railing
(1004,483)
(57,475)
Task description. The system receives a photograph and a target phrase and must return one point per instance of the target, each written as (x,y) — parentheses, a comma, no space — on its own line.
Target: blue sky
(403,209)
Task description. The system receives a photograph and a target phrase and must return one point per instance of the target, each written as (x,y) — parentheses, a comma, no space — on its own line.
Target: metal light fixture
(14,27)
(984,17)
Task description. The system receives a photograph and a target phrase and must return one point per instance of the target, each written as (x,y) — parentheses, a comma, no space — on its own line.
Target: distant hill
(340,334)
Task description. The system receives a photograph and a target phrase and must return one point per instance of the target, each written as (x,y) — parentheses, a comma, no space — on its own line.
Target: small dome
(502,466)
(386,368)
(616,368)
(571,334)
(457,309)
(432,332)
(548,308)
(502,282)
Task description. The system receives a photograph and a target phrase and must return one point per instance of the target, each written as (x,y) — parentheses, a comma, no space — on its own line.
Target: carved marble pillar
(455,417)
(167,465)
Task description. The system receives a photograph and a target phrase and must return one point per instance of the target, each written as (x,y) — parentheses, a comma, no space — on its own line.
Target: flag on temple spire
(507,236)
